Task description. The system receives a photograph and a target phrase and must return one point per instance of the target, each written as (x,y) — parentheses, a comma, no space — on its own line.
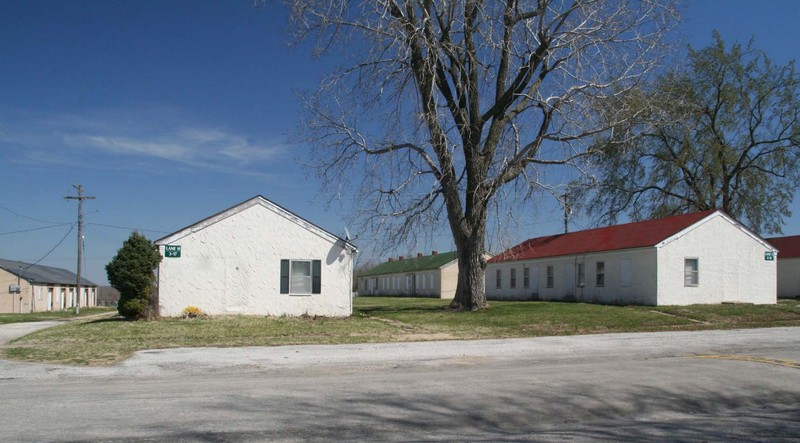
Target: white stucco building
(434,275)
(699,258)
(788,265)
(256,258)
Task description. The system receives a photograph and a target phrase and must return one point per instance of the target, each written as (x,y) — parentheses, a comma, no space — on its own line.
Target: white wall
(398,284)
(233,267)
(641,290)
(731,266)
(788,277)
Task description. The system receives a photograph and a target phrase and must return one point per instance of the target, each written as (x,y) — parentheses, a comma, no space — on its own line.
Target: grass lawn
(54,315)
(110,340)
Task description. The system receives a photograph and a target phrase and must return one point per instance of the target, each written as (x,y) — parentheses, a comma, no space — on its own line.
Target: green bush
(134,308)
(131,273)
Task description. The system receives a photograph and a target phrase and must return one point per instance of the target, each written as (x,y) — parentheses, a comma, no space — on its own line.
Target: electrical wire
(32,218)
(34,229)
(127,228)
(72,226)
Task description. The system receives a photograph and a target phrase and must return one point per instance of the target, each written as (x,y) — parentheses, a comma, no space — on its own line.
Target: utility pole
(567,210)
(80,197)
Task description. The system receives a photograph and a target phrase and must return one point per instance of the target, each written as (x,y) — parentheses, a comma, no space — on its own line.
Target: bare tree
(440,105)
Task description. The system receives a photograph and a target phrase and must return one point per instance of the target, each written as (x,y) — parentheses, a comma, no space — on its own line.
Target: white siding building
(256,258)
(788,265)
(700,258)
(434,275)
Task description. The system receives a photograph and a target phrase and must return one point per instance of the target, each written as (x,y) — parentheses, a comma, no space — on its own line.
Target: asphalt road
(685,386)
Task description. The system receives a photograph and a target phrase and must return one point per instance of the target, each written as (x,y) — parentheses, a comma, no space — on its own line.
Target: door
(569,280)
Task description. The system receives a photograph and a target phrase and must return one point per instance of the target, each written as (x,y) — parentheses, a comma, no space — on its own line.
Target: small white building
(788,265)
(434,275)
(41,288)
(256,258)
(699,258)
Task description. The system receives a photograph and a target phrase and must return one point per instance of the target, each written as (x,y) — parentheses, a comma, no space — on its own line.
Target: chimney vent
(419,254)
(435,253)
(401,258)
(391,259)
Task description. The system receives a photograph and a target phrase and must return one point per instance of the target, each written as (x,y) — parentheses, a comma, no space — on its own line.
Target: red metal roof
(788,247)
(610,238)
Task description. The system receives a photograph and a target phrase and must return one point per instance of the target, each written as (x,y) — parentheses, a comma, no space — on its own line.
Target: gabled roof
(257,200)
(43,274)
(425,263)
(610,238)
(788,247)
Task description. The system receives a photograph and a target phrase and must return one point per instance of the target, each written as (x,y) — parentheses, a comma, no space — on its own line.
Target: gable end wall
(731,266)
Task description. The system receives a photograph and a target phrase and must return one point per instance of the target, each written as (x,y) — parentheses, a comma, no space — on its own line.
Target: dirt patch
(693,320)
(432,336)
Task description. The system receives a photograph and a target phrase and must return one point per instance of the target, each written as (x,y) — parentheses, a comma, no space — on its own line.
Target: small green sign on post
(769,255)
(172,251)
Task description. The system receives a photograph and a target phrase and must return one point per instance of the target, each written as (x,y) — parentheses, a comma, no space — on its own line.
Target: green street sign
(172,251)
(769,255)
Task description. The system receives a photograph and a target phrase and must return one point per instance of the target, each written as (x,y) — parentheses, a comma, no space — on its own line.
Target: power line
(71,227)
(34,229)
(33,218)
(127,228)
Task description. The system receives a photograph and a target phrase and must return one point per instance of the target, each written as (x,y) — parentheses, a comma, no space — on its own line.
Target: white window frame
(551,277)
(581,275)
(498,279)
(512,279)
(691,278)
(600,274)
(291,277)
(526,277)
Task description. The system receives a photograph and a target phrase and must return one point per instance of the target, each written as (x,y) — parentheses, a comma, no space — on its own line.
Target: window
(498,278)
(691,272)
(430,280)
(625,272)
(513,278)
(550,276)
(302,277)
(526,277)
(600,274)
(581,275)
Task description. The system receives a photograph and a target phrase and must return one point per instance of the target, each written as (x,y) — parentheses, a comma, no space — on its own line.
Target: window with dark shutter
(316,277)
(284,276)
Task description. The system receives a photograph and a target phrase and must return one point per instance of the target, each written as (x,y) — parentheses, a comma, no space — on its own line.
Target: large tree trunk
(471,288)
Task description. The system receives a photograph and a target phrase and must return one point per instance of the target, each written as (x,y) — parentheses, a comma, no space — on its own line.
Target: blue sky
(170,111)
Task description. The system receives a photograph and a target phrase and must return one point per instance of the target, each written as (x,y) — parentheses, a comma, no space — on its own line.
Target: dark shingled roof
(413,264)
(43,274)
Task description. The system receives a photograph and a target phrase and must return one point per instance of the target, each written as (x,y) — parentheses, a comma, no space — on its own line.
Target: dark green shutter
(316,277)
(284,276)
